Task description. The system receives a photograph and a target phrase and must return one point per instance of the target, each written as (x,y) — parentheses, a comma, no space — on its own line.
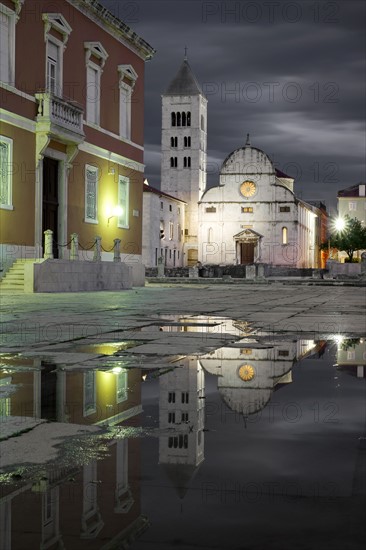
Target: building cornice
(114,26)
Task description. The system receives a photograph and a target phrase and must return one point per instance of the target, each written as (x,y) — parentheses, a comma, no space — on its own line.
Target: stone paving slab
(54,323)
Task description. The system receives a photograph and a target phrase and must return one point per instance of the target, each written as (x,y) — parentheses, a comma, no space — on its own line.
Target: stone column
(74,252)
(97,249)
(48,249)
(117,251)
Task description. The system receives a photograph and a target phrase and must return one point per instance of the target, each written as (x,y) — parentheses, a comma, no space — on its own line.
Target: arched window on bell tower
(284,235)
(188,118)
(183,119)
(178,119)
(174,119)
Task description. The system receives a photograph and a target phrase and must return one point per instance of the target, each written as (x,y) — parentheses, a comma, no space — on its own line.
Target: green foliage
(350,239)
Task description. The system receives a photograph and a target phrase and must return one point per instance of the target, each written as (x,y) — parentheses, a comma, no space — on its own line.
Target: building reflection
(75,507)
(181,419)
(248,373)
(351,355)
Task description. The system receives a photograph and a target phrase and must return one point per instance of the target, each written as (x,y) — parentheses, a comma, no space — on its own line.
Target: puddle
(193,448)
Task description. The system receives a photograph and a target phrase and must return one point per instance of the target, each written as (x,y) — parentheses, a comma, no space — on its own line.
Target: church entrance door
(247,253)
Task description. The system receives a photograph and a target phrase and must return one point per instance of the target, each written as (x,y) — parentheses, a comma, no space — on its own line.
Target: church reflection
(247,371)
(75,507)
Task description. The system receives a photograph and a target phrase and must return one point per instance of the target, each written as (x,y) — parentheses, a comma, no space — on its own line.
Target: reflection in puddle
(189,436)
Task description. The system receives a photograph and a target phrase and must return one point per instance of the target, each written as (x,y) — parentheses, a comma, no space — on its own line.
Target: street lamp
(338,224)
(116,213)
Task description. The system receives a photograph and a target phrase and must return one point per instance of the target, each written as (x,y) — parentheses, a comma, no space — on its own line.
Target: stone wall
(168,272)
(77,276)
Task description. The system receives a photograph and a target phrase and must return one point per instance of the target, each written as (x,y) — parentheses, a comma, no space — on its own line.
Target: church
(252,215)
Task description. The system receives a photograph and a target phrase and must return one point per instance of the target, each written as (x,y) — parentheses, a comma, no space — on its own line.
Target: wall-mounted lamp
(116,213)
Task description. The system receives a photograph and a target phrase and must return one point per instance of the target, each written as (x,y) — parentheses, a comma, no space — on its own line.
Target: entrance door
(247,253)
(50,200)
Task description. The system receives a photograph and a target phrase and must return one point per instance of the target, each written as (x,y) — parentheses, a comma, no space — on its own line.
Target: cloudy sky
(291,73)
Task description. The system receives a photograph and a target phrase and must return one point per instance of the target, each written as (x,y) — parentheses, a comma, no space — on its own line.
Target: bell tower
(184,149)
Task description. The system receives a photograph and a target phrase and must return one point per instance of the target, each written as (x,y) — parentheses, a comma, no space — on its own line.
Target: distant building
(352,202)
(252,215)
(163,228)
(71,143)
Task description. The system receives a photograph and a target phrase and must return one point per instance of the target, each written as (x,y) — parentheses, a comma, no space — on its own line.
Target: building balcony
(60,118)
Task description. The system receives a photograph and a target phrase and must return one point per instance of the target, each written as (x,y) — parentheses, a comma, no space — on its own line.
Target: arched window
(188,162)
(175,142)
(185,162)
(188,141)
(171,162)
(174,119)
(175,162)
(284,235)
(171,142)
(178,119)
(185,142)
(188,118)
(183,119)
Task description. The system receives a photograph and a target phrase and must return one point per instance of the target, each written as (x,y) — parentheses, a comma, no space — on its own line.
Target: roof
(353,191)
(149,189)
(181,476)
(280,174)
(184,82)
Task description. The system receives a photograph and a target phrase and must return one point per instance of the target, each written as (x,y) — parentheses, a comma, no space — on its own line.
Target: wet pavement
(162,418)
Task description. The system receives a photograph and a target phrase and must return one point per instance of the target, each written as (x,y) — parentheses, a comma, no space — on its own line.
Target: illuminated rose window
(248,188)
(246,373)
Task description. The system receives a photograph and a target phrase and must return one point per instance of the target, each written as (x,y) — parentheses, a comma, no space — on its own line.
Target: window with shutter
(91,193)
(6,150)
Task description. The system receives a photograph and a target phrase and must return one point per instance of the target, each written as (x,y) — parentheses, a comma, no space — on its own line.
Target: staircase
(13,280)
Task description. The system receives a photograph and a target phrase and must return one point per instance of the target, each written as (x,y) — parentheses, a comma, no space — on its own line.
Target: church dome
(245,400)
(247,160)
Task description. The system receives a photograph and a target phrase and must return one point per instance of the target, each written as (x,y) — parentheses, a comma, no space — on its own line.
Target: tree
(350,239)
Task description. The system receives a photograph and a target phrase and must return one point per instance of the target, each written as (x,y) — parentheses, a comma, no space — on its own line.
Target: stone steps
(13,280)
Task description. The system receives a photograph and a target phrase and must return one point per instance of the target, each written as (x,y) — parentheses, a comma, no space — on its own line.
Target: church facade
(252,215)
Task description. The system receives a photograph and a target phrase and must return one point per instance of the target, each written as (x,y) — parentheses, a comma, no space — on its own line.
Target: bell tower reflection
(181,417)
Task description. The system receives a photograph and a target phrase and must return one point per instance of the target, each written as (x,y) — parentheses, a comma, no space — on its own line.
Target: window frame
(9,205)
(12,18)
(94,169)
(124,223)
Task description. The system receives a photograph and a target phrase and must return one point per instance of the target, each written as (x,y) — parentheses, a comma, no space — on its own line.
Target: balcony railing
(59,112)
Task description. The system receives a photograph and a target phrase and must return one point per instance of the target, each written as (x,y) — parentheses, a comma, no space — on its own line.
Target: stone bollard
(363,263)
(250,272)
(193,272)
(117,251)
(97,249)
(48,248)
(260,271)
(161,266)
(74,251)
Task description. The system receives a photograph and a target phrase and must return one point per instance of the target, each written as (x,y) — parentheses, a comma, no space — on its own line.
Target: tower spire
(247,143)
(185,53)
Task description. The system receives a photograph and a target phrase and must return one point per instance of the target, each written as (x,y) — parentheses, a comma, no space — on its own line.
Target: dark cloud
(290,73)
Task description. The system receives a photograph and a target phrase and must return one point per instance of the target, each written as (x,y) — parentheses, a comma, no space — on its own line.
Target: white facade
(162,228)
(253,216)
(248,375)
(184,149)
